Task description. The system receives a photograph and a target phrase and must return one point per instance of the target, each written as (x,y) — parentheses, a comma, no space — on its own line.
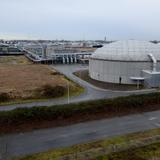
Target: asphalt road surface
(91,92)
(43,140)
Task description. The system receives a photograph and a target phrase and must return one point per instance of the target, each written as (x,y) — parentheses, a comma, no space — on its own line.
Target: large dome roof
(129,50)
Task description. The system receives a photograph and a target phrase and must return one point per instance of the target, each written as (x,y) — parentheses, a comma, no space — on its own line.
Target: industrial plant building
(127,62)
(57,53)
(6,49)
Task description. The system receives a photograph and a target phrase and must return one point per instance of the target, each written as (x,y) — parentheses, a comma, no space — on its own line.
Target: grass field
(136,146)
(20,78)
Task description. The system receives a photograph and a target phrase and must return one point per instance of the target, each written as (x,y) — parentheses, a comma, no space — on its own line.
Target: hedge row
(121,104)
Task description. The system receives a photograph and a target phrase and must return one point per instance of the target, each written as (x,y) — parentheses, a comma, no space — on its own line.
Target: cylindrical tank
(119,61)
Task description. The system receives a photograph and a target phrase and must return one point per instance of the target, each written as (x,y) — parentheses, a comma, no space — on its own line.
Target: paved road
(91,92)
(43,140)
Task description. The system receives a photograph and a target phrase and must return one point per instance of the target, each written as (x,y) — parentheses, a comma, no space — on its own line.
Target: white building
(127,62)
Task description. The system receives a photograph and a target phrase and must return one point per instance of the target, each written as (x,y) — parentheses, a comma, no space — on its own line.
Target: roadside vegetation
(148,152)
(135,146)
(26,119)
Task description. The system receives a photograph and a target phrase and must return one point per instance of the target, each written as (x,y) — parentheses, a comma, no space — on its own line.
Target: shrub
(56,73)
(52,91)
(4,97)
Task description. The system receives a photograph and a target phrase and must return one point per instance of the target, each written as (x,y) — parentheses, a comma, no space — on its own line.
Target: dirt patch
(84,74)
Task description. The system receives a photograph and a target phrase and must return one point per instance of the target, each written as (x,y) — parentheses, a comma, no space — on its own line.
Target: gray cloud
(76,19)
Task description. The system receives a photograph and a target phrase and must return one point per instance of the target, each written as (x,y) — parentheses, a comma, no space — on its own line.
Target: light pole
(68,91)
(138,84)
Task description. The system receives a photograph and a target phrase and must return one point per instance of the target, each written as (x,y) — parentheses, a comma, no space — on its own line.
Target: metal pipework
(154,62)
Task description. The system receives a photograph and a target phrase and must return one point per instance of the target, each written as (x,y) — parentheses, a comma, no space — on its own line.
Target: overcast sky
(80,19)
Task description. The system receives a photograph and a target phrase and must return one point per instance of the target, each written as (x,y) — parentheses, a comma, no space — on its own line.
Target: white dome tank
(122,60)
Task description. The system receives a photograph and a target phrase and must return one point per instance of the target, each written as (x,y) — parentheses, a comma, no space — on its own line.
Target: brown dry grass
(14,60)
(20,80)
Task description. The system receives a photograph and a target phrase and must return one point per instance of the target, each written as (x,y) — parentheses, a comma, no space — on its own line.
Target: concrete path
(91,92)
(43,140)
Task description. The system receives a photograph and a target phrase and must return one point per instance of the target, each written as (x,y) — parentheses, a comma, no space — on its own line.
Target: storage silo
(125,62)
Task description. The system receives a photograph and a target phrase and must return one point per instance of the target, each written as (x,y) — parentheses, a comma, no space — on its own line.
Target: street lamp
(68,91)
